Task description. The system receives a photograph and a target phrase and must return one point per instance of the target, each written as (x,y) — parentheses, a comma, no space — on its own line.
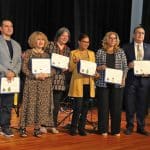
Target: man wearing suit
(137,87)
(10,65)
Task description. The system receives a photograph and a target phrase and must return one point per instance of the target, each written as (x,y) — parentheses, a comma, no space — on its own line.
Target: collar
(140,44)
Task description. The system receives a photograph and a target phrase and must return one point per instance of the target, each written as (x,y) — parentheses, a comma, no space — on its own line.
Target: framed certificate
(41,65)
(113,76)
(12,86)
(60,61)
(142,67)
(87,67)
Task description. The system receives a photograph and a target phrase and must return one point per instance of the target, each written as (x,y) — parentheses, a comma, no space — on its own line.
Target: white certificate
(142,67)
(12,86)
(113,76)
(41,65)
(87,67)
(60,61)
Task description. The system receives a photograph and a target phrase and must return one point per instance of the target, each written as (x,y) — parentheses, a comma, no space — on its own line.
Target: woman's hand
(64,70)
(75,59)
(97,75)
(101,67)
(41,76)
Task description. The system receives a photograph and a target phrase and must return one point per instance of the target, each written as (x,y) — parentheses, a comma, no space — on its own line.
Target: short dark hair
(5,19)
(82,36)
(138,27)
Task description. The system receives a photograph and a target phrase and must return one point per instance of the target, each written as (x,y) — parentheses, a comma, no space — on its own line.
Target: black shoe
(7,132)
(37,133)
(82,133)
(73,132)
(101,132)
(128,131)
(98,132)
(23,132)
(143,132)
(1,132)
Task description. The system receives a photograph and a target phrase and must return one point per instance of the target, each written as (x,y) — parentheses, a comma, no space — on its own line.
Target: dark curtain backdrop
(94,17)
(146,19)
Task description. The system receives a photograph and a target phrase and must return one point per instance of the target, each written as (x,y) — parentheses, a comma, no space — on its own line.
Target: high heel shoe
(37,133)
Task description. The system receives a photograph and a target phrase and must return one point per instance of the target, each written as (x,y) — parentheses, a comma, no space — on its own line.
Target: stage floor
(64,141)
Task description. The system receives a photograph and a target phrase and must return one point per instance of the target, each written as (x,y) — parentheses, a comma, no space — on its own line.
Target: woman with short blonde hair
(36,35)
(37,106)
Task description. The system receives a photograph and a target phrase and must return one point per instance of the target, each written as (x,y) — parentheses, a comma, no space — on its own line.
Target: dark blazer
(130,54)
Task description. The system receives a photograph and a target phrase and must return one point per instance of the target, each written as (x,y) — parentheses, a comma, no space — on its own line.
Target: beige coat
(76,84)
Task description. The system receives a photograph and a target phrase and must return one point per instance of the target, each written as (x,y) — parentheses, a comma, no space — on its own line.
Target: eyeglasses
(112,38)
(86,42)
(140,33)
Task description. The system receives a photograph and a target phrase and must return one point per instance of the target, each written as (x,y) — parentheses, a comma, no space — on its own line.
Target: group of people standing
(43,92)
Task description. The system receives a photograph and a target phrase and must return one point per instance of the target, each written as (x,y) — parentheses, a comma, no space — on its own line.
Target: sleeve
(3,69)
(98,58)
(93,56)
(25,65)
(72,65)
(124,64)
(17,68)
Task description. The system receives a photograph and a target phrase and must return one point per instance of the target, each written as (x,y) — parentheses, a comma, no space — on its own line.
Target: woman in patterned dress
(61,78)
(37,106)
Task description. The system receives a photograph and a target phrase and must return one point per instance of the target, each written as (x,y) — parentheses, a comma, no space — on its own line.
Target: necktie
(139,54)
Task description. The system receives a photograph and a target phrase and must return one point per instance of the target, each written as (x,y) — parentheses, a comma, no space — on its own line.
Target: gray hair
(60,31)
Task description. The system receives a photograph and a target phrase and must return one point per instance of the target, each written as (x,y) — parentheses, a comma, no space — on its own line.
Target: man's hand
(10,75)
(131,65)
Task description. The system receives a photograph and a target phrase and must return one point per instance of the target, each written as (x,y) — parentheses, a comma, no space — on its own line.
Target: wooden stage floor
(64,141)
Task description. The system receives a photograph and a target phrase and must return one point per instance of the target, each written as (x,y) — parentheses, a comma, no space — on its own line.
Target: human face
(139,35)
(40,42)
(84,43)
(112,40)
(64,38)
(6,28)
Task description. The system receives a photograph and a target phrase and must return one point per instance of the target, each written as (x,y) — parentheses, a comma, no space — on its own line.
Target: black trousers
(80,110)
(136,102)
(109,101)
(6,104)
(58,97)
